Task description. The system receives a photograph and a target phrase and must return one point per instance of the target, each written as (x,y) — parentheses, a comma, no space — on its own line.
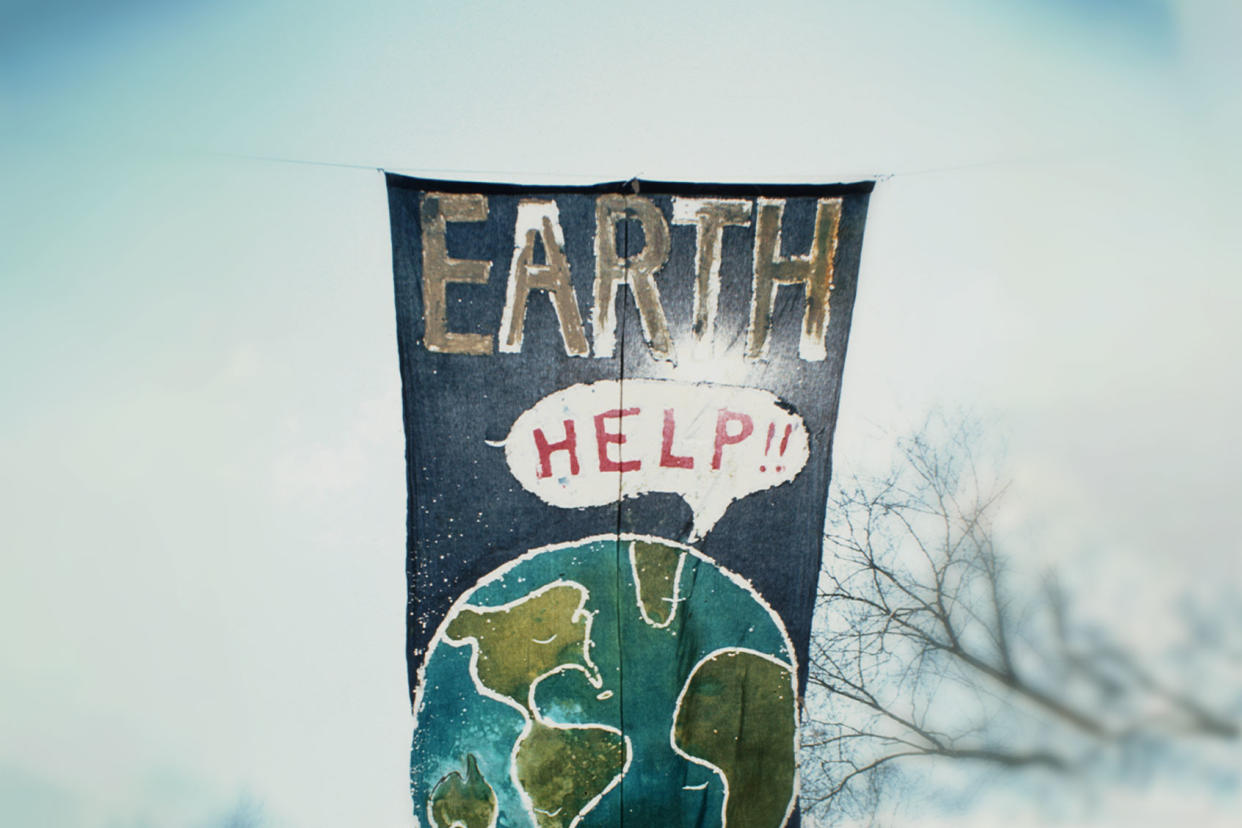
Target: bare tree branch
(927,650)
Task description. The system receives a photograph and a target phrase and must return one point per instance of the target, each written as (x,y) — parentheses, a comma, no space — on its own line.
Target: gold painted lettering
(540,219)
(813,270)
(710,216)
(637,272)
(437,209)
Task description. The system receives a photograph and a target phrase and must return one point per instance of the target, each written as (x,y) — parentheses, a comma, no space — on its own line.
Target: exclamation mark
(784,442)
(768,445)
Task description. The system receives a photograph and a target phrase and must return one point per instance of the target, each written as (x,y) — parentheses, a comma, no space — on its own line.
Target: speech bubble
(588,444)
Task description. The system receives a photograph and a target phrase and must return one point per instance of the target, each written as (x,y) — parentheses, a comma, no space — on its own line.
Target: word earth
(540,263)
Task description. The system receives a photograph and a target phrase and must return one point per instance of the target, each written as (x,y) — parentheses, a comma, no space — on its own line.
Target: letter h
(546,449)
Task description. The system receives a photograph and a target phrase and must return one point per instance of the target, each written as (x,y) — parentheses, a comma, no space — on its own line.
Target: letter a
(542,219)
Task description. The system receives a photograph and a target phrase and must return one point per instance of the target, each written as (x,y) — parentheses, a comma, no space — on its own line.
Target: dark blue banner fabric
(619,407)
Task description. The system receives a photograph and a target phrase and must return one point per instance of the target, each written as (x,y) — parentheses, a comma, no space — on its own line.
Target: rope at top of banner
(1044,158)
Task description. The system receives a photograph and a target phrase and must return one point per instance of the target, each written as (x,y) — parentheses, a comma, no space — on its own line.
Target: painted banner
(619,406)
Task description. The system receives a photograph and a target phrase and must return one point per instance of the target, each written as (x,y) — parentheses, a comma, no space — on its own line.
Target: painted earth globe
(620,679)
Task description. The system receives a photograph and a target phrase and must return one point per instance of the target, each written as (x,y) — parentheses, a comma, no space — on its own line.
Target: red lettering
(546,449)
(724,438)
(667,459)
(603,438)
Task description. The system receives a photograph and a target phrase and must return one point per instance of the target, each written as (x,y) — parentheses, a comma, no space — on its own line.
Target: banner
(619,406)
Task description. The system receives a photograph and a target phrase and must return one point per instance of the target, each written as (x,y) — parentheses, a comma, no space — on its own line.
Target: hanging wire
(509,174)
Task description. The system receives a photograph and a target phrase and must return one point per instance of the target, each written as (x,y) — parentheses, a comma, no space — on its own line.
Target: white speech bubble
(588,445)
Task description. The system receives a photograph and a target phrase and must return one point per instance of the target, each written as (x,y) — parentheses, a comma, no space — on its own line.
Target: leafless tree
(927,650)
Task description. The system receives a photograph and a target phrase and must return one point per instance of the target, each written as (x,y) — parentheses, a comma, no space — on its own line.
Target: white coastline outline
(793,688)
(617,537)
(638,593)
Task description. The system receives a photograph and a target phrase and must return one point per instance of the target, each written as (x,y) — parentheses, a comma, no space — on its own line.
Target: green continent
(655,577)
(544,631)
(562,770)
(738,714)
(469,802)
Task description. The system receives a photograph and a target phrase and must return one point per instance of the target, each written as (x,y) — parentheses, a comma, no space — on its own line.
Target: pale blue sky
(202,513)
